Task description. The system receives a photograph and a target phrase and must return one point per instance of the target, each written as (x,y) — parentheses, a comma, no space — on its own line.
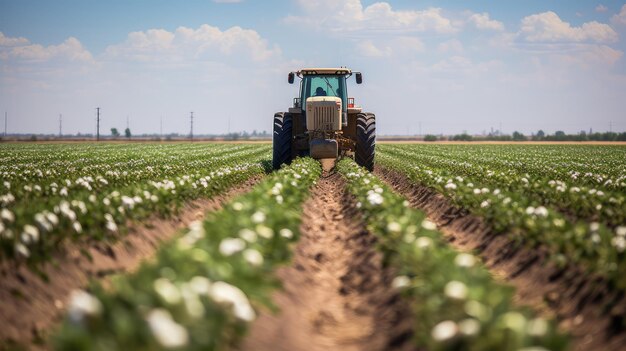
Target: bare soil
(31,306)
(587,307)
(336,295)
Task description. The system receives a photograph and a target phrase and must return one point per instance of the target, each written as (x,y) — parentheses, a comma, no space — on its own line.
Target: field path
(336,294)
(30,306)
(575,299)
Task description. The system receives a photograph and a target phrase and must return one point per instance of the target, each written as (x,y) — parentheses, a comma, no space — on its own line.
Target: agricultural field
(200,246)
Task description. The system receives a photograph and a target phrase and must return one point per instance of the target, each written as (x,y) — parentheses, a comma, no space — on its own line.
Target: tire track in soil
(576,299)
(30,306)
(336,295)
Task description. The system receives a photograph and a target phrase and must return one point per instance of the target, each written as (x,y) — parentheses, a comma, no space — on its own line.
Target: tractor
(324,122)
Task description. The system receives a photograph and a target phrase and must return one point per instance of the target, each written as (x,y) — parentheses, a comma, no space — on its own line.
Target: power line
(5,123)
(98,124)
(60,125)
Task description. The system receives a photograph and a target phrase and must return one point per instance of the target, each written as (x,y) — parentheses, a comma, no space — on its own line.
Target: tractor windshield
(324,85)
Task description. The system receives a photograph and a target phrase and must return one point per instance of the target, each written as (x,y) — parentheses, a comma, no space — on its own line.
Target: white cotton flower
(258,217)
(619,242)
(7,215)
(620,231)
(484,204)
(375,198)
(200,285)
(476,191)
(167,291)
(230,246)
(465,260)
(63,191)
(444,331)
(541,211)
(429,225)
(106,201)
(401,281)
(253,257)
(111,226)
(456,290)
(286,233)
(77,227)
(30,234)
(514,320)
(225,293)
(52,218)
(264,231)
(595,238)
(82,304)
(22,250)
(165,330)
(237,206)
(594,227)
(394,227)
(450,186)
(469,327)
(537,327)
(423,242)
(530,210)
(248,235)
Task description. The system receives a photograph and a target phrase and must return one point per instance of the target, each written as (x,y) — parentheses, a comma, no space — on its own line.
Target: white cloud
(548,27)
(21,50)
(8,41)
(620,18)
(367,48)
(450,46)
(482,21)
(601,8)
(186,44)
(396,47)
(350,15)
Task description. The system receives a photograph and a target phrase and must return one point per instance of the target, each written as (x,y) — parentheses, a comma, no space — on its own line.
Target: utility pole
(610,126)
(420,127)
(60,125)
(161,127)
(191,133)
(5,123)
(228,125)
(97,123)
(127,124)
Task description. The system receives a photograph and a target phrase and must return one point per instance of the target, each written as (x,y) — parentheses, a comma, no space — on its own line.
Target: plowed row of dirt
(577,300)
(336,294)
(31,306)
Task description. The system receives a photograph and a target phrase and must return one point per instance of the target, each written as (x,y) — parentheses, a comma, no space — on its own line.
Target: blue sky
(449,66)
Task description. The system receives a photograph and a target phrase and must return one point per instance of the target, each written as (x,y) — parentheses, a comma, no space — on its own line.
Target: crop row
(456,304)
(201,290)
(513,203)
(92,193)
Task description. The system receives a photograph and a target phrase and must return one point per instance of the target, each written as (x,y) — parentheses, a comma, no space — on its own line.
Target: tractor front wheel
(282,139)
(365,140)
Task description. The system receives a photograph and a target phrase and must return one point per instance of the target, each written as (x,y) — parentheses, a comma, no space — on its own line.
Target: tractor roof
(313,71)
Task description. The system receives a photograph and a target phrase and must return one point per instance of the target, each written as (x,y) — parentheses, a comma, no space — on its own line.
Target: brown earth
(30,306)
(585,306)
(336,295)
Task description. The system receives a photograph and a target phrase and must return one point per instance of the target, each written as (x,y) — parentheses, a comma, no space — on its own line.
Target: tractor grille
(324,116)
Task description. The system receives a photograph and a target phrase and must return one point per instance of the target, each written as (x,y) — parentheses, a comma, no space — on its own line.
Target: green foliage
(430,137)
(570,199)
(127,133)
(201,291)
(52,194)
(456,304)
(115,133)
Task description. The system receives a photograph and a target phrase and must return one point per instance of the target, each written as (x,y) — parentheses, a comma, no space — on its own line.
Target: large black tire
(365,140)
(282,139)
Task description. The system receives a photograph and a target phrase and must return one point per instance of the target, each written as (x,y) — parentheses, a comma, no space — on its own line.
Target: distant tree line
(539,136)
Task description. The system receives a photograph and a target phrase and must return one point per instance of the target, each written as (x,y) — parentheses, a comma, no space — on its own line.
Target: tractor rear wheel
(282,139)
(365,140)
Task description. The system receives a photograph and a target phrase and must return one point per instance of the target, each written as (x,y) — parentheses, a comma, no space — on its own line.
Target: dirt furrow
(586,307)
(336,295)
(30,306)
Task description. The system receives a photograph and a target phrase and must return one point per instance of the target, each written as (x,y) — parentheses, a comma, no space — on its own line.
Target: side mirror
(359,78)
(290,77)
